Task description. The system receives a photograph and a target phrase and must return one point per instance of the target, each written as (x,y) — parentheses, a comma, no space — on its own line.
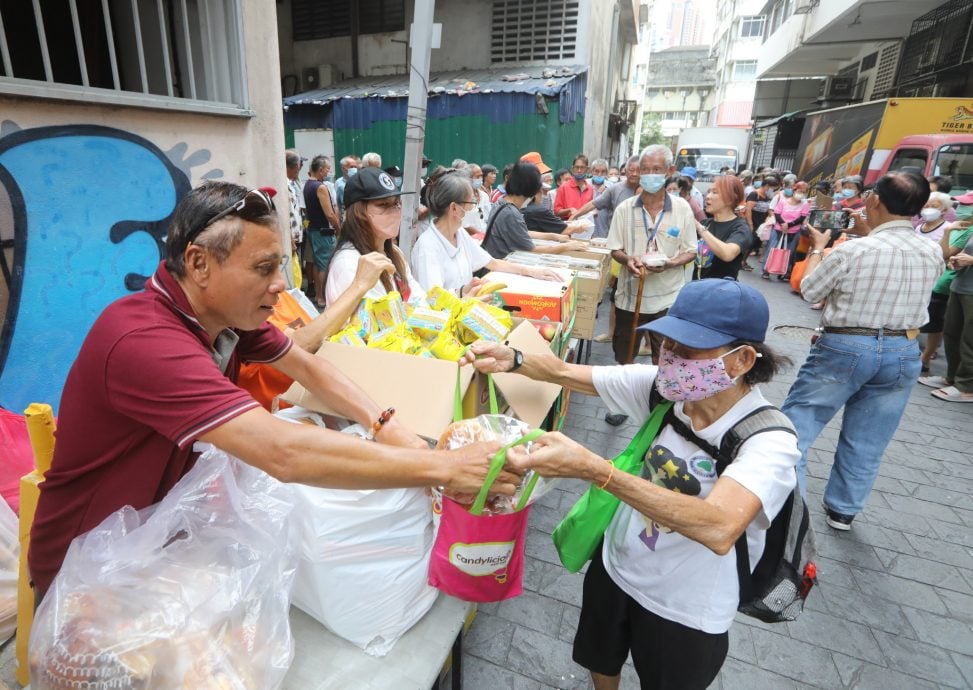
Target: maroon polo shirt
(146,385)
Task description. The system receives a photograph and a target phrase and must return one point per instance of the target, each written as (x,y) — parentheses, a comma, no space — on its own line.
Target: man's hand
(489,357)
(818,239)
(468,467)
(634,266)
(370,268)
(961,260)
(862,226)
(556,455)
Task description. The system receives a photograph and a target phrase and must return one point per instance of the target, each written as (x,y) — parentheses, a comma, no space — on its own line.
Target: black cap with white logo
(370,184)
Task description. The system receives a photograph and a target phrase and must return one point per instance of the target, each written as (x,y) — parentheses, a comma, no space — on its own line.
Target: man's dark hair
(944,183)
(197,208)
(902,193)
(524,180)
(561,172)
(488,168)
(319,162)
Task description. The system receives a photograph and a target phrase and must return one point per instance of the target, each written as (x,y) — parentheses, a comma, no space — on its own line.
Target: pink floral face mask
(691,379)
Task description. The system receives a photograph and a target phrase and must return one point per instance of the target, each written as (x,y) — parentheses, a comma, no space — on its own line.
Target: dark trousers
(957,341)
(624,322)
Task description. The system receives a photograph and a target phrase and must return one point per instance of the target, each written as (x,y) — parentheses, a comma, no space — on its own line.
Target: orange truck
(931,135)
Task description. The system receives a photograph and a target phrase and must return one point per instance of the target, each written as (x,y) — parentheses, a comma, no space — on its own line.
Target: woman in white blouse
(446,255)
(373,212)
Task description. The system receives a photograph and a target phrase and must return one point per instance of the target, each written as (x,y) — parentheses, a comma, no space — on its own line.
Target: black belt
(327,232)
(874,332)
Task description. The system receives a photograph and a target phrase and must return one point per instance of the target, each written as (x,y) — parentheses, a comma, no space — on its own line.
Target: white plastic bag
(364,558)
(9,569)
(190,593)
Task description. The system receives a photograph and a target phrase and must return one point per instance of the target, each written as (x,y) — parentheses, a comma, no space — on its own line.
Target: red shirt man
(142,390)
(573,195)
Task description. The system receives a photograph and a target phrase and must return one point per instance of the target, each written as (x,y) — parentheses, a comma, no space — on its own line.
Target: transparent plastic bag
(492,427)
(9,568)
(190,593)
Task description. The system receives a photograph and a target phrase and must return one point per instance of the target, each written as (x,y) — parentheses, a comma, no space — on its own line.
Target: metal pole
(415,122)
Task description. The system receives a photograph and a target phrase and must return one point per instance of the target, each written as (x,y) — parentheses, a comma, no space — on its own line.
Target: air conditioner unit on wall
(838,89)
(319,77)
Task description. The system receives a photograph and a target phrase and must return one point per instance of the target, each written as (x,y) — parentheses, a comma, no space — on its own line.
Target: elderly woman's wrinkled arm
(716,521)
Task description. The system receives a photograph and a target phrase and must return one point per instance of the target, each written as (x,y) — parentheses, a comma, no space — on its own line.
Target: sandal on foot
(934,381)
(953,394)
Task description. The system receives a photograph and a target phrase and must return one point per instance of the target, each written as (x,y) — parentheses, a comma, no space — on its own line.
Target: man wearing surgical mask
(653,236)
(476,217)
(576,193)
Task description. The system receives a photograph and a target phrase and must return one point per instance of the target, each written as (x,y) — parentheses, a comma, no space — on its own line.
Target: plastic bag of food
(387,311)
(190,593)
(349,335)
(364,557)
(440,299)
(9,568)
(478,321)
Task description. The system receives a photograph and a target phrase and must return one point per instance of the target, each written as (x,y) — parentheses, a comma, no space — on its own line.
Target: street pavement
(893,607)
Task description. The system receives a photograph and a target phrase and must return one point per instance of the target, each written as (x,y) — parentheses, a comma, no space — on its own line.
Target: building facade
(736,48)
(681,88)
(107,121)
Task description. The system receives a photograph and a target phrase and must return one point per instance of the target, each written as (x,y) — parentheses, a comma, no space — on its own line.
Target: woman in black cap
(373,213)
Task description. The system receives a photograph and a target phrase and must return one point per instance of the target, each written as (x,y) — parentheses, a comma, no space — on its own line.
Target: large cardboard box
(422,390)
(590,281)
(530,298)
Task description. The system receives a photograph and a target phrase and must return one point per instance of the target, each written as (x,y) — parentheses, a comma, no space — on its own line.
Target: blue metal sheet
(356,104)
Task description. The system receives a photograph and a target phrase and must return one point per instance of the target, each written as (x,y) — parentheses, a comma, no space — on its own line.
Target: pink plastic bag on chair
(16,456)
(480,557)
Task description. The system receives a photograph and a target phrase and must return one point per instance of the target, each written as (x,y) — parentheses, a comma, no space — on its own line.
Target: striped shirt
(879,281)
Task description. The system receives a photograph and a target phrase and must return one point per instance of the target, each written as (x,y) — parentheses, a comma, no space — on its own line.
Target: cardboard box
(422,390)
(530,298)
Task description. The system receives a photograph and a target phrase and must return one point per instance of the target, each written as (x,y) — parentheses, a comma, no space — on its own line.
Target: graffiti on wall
(83,215)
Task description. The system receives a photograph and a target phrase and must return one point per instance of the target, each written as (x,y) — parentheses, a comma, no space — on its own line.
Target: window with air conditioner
(534,30)
(177,53)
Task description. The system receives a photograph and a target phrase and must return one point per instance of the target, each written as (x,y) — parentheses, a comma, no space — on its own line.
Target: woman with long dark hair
(373,213)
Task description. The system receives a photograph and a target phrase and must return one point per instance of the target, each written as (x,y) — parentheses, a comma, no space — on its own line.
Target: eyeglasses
(385,209)
(254,203)
(473,202)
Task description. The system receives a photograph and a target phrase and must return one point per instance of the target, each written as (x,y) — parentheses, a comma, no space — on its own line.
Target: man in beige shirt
(653,233)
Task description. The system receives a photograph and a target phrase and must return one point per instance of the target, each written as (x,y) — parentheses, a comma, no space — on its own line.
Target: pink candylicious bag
(480,557)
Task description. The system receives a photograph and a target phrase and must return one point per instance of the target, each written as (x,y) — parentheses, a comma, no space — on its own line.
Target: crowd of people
(663,587)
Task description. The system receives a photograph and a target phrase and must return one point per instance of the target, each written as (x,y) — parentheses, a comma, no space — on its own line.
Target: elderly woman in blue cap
(664,585)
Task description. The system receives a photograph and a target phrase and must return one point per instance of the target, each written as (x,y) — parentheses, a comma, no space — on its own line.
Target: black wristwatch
(518,359)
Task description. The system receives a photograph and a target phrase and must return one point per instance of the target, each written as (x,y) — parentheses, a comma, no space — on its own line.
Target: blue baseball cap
(712,313)
(688,171)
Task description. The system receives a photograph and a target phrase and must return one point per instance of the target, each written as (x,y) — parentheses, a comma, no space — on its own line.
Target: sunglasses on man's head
(254,204)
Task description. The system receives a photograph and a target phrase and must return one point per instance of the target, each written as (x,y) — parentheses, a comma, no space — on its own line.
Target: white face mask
(613,179)
(930,215)
(799,196)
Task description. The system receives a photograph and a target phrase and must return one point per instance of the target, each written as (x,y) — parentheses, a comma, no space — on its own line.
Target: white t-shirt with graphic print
(665,572)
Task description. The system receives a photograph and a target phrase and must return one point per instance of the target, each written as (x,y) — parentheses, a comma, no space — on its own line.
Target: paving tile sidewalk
(894,605)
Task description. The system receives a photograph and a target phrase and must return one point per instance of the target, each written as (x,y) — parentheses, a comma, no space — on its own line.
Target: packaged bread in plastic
(190,593)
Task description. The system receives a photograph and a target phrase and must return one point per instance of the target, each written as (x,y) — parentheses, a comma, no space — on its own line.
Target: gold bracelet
(610,473)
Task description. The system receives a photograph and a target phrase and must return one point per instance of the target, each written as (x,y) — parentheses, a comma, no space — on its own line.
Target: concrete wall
(86,192)
(465,43)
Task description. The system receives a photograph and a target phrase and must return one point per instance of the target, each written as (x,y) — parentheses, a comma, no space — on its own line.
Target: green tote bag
(581,530)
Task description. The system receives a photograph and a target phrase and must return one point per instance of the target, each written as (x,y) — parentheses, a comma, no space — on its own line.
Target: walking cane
(635,319)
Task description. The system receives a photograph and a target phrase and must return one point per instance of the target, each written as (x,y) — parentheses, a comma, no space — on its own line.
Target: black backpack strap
(493,219)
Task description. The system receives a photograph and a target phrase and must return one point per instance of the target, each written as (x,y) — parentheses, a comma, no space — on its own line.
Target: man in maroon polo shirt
(576,193)
(157,372)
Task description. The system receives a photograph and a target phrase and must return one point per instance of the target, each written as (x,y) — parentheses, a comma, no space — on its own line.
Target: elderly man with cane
(653,236)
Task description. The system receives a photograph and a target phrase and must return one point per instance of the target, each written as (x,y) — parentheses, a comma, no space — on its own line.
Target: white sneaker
(602,338)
